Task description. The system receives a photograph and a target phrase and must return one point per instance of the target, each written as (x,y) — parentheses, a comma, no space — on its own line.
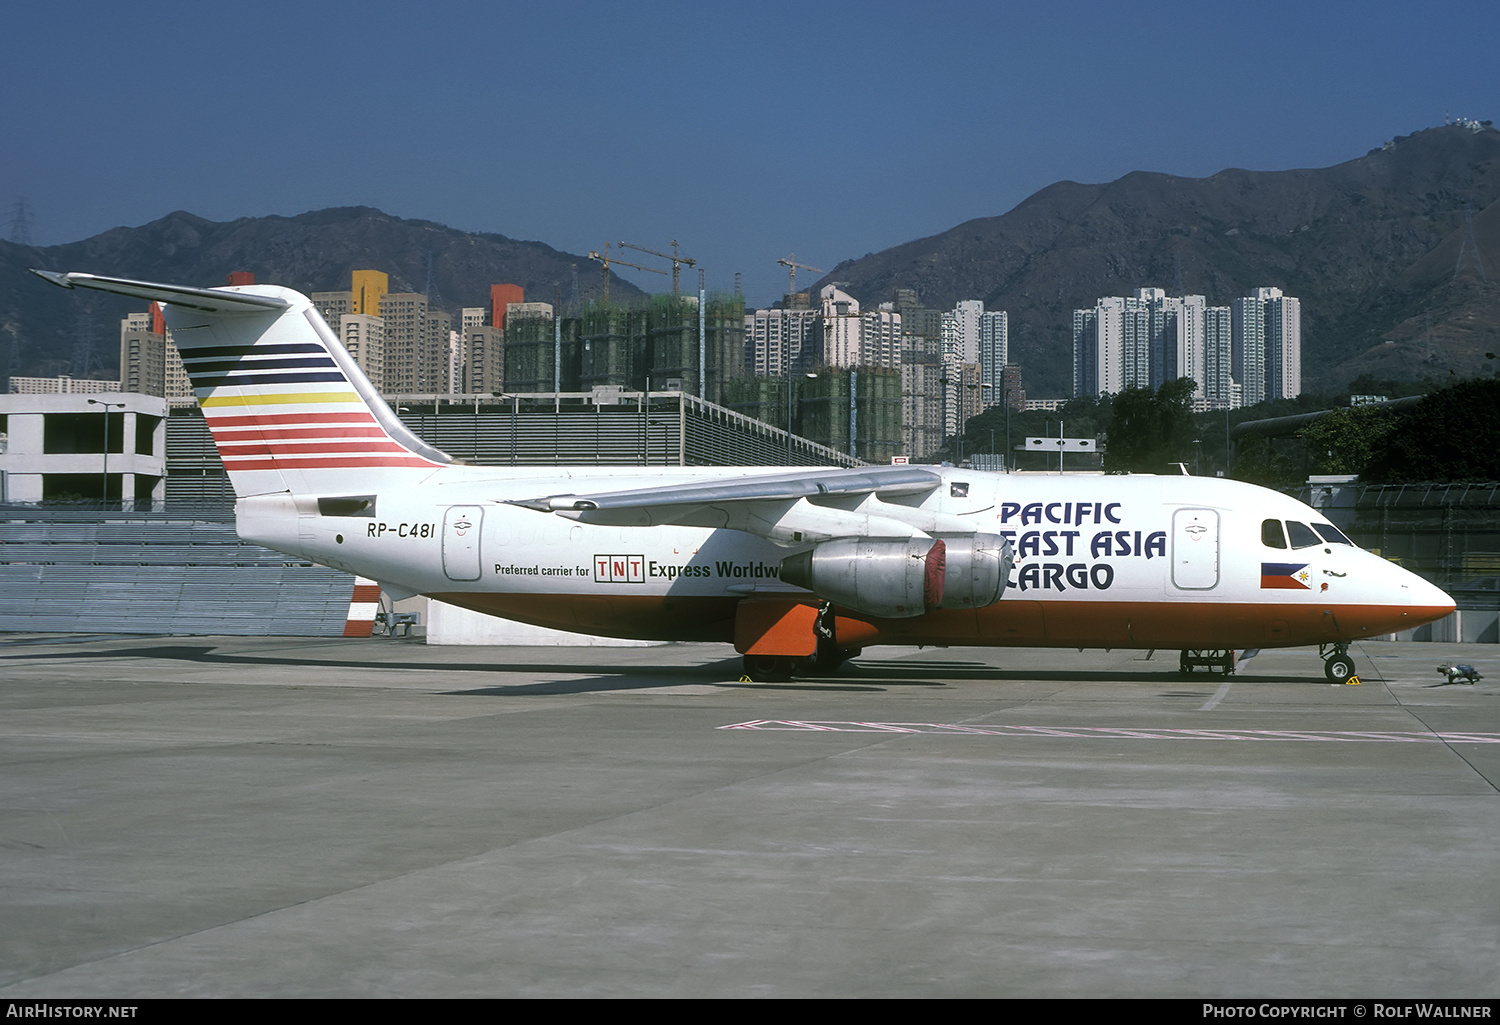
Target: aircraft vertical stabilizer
(289,409)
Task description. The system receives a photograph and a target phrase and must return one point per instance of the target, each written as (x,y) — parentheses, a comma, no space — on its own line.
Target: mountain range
(1394,255)
(1370,246)
(312,252)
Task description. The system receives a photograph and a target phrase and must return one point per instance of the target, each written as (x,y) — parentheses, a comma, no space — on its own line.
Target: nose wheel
(1338,666)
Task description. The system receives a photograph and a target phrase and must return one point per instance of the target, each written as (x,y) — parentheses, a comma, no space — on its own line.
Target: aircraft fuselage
(1099,561)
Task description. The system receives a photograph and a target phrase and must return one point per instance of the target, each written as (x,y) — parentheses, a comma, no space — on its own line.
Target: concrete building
(1218,358)
(109,448)
(994,354)
(1098,353)
(842,328)
(1249,348)
(364,337)
(1012,392)
(501,297)
(334,306)
(922,371)
(779,341)
(484,360)
(1144,341)
(962,329)
(417,345)
(1283,343)
(149,361)
(63,385)
(369,290)
(961,396)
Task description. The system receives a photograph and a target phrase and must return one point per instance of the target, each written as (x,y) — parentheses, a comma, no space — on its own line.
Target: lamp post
(104,483)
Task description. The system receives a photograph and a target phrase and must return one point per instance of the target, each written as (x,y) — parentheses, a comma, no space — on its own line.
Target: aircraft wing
(788,508)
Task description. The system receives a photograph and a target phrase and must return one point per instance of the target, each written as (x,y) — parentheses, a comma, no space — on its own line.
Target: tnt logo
(619,569)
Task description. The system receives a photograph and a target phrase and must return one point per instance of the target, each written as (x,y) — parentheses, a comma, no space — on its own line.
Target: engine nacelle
(978,567)
(891,577)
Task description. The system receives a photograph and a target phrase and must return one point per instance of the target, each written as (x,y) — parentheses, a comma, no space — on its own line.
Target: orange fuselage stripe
(1013,623)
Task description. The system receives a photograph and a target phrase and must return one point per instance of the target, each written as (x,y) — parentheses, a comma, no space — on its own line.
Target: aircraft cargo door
(461,525)
(1195,549)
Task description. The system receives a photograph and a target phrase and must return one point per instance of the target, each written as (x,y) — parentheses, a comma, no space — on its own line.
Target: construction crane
(791,262)
(677,261)
(606,260)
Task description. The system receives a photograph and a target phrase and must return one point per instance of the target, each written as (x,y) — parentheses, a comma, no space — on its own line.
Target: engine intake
(892,577)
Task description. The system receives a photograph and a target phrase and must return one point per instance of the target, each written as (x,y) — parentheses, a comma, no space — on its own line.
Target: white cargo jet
(800,569)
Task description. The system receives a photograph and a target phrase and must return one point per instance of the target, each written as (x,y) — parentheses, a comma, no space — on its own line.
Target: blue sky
(746,131)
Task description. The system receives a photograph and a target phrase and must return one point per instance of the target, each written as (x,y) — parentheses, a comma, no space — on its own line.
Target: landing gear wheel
(1339,668)
(769,668)
(828,660)
(1184,666)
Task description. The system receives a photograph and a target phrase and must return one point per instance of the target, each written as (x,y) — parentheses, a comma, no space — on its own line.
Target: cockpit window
(1271,535)
(1301,534)
(1332,534)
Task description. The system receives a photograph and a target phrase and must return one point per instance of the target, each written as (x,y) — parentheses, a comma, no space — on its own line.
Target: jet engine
(978,567)
(895,578)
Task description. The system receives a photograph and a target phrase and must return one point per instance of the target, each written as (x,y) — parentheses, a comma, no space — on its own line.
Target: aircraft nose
(1422,594)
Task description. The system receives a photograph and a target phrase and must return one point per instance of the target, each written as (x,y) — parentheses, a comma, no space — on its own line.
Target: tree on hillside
(1345,440)
(1148,432)
(1451,435)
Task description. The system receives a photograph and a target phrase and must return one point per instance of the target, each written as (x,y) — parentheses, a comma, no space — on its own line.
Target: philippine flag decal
(1284,576)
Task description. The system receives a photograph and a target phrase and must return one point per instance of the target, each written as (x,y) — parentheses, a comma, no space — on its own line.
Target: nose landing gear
(1337,666)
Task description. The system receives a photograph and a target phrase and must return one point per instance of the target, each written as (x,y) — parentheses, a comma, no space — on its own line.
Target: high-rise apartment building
(843,328)
(1283,343)
(484,360)
(369,290)
(962,331)
(441,343)
(405,316)
(1144,341)
(501,297)
(1218,358)
(149,361)
(994,354)
(922,370)
(418,345)
(779,341)
(334,306)
(1097,349)
(1011,388)
(1249,348)
(364,337)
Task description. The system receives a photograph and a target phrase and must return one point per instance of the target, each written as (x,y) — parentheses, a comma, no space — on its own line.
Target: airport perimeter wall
(179,572)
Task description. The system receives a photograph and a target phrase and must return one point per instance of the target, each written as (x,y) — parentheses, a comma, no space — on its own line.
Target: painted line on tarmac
(1114,733)
(1213,702)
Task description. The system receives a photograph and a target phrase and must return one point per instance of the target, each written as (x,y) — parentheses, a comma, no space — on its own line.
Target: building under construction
(630,346)
(858,410)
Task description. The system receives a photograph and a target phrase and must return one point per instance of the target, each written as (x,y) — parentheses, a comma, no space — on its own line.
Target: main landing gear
(1337,665)
(825,661)
(780,668)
